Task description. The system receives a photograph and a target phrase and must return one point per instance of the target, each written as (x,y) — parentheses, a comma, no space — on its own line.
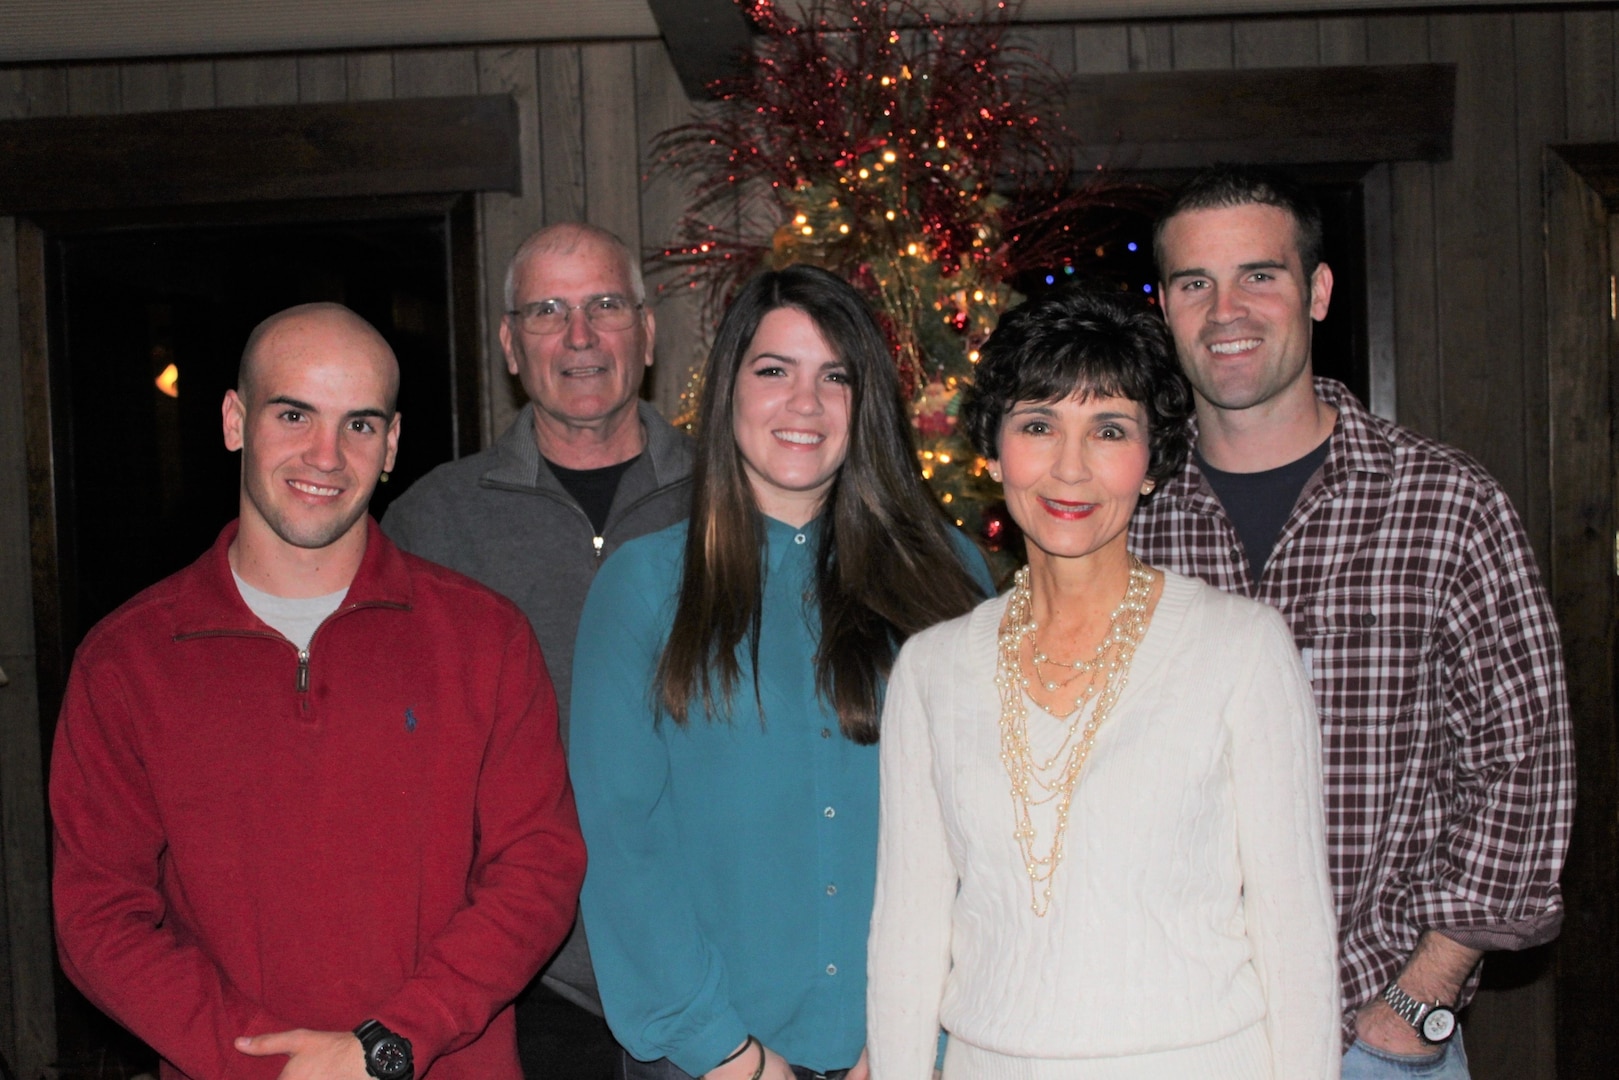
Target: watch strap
(1412,1010)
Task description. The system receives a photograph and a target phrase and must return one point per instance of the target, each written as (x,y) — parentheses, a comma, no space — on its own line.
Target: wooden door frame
(1581,187)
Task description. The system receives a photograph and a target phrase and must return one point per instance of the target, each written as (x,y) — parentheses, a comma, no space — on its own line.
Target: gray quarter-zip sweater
(501,517)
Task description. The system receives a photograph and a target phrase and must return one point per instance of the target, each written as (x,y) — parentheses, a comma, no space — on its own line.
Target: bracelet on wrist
(760,1071)
(738,1052)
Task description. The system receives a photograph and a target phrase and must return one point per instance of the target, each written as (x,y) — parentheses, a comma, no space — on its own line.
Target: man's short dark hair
(1248,185)
(1081,340)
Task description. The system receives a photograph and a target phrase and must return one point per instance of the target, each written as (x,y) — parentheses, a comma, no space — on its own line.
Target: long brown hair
(885,567)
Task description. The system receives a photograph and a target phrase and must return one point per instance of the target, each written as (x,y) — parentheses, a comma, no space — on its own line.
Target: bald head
(318,331)
(568,239)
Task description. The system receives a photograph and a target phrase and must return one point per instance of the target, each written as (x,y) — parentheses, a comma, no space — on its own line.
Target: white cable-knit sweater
(1192,901)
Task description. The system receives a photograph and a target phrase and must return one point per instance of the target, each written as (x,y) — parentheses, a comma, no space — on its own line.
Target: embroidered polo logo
(410,719)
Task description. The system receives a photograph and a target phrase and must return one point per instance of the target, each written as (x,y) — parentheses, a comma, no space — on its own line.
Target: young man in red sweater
(312,816)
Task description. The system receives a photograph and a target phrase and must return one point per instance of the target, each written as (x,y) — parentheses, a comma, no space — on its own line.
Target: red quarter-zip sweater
(245,847)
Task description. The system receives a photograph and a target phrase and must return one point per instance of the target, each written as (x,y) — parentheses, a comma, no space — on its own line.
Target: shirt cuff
(712,1045)
(1524,934)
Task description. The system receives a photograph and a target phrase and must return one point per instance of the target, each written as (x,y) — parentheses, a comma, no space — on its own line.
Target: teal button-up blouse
(731,862)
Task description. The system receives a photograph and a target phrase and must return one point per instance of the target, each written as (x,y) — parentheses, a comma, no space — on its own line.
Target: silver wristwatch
(1434,1024)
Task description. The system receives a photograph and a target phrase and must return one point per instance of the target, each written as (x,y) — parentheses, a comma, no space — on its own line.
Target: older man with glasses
(585,467)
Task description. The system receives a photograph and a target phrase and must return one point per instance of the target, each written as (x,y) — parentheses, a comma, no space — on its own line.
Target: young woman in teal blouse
(727,688)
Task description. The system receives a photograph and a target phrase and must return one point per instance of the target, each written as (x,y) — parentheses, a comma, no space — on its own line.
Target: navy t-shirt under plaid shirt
(1408,583)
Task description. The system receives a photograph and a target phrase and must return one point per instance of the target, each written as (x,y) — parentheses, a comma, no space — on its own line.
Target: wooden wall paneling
(506,219)
(1417,359)
(1207,44)
(16,600)
(1377,211)
(1265,43)
(1541,118)
(612,149)
(562,142)
(435,72)
(1588,74)
(259,80)
(370,75)
(1476,218)
(158,86)
(323,77)
(463,277)
(1151,47)
(18,706)
(92,89)
(1100,48)
(1342,40)
(145,86)
(1580,343)
(1051,44)
(194,83)
(30,1044)
(24,727)
(682,338)
(44,91)
(13,102)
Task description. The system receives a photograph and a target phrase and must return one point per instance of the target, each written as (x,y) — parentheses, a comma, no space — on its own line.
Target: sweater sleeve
(523,886)
(114,939)
(909,949)
(1287,900)
(663,983)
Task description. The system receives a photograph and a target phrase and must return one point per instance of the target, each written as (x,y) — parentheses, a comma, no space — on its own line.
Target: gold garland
(1034,784)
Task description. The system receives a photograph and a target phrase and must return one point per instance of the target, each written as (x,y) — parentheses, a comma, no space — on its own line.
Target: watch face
(1438,1025)
(390,1058)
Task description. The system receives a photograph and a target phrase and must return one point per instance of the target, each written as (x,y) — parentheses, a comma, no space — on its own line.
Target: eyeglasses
(610,312)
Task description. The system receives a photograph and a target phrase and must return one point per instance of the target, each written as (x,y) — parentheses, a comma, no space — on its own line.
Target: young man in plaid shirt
(1411,591)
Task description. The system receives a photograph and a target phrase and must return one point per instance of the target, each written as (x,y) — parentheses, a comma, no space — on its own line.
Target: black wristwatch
(387,1056)
(1434,1024)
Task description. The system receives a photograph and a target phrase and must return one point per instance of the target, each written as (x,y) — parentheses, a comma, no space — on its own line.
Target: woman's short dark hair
(1081,340)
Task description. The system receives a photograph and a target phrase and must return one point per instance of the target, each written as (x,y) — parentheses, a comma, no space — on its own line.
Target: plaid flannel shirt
(1448,761)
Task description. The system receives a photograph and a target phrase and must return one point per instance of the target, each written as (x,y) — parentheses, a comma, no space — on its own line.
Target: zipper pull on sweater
(597,542)
(303,671)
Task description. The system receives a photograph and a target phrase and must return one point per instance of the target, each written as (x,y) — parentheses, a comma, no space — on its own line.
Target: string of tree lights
(915,153)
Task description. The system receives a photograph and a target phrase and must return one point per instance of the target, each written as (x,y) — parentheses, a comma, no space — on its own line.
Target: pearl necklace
(1108,669)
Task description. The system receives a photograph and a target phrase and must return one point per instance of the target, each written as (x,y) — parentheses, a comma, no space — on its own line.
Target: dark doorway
(146,326)
(147,330)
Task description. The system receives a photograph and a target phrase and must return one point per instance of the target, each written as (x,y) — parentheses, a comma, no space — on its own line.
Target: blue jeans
(664,1069)
(1363,1062)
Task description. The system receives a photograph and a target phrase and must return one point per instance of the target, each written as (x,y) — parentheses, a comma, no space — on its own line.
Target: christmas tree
(914,154)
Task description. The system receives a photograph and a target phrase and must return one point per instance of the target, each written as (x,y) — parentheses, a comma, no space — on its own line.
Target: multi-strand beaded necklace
(1102,679)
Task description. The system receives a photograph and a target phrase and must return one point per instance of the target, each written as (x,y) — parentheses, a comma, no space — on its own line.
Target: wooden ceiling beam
(413,146)
(705,38)
(1136,121)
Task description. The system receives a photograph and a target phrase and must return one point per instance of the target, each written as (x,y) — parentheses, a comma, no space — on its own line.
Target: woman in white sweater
(1101,847)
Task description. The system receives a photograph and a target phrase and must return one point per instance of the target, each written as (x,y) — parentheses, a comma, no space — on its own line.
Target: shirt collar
(1358,447)
(212,601)
(518,462)
(788,544)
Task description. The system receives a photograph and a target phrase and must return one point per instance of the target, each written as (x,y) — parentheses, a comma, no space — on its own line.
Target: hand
(1378,1025)
(1435,971)
(861,1070)
(743,1065)
(311,1055)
